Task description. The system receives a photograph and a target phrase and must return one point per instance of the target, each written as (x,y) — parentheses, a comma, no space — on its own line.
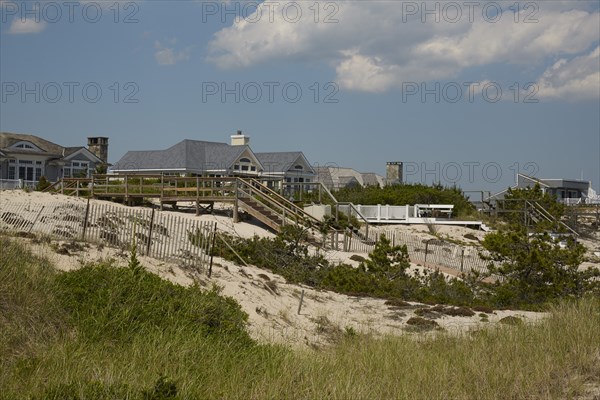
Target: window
(244,168)
(78,169)
(25,146)
(299,167)
(245,160)
(236,167)
(12,172)
(252,168)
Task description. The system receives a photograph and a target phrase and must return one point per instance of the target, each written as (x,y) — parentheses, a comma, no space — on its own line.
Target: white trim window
(12,169)
(245,165)
(24,145)
(77,169)
(27,170)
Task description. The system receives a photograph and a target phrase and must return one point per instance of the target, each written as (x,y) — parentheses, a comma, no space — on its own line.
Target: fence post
(36,218)
(462,258)
(426,250)
(85,221)
(212,252)
(162,189)
(150,229)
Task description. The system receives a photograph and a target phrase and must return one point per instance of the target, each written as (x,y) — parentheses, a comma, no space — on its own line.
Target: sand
(271,303)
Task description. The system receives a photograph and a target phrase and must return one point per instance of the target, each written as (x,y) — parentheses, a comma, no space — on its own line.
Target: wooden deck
(255,198)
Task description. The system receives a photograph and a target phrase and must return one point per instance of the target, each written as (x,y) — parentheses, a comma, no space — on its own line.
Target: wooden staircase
(270,207)
(262,213)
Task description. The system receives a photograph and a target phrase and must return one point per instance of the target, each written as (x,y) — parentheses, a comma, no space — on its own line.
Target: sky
(465,93)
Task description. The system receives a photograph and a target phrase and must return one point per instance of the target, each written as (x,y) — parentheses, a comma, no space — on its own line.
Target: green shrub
(42,184)
(108,303)
(399,195)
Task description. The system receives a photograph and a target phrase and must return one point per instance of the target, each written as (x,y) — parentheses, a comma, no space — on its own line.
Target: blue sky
(380,81)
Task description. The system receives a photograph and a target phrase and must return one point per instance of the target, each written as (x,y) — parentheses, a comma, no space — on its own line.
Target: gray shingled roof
(370,179)
(280,161)
(188,155)
(7,139)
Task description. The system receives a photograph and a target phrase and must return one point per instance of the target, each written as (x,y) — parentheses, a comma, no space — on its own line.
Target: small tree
(387,260)
(534,267)
(515,200)
(42,184)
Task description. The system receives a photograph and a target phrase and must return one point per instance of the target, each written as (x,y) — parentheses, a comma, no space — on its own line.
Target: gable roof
(340,177)
(282,161)
(73,151)
(8,139)
(187,155)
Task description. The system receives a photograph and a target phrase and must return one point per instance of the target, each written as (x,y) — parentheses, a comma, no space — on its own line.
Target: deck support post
(235,203)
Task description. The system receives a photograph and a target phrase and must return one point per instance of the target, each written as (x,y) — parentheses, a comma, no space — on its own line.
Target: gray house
(334,178)
(291,166)
(191,157)
(24,159)
(568,191)
(202,158)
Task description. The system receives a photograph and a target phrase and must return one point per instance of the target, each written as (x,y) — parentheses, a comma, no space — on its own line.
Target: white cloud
(576,79)
(168,55)
(26,26)
(377,46)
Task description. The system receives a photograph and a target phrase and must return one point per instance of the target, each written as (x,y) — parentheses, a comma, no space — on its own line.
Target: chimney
(240,139)
(99,146)
(393,173)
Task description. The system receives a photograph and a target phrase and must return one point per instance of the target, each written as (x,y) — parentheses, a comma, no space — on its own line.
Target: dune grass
(94,334)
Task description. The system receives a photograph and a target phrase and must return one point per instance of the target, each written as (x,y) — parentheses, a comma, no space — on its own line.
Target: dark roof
(280,161)
(567,184)
(554,183)
(71,150)
(189,155)
(7,139)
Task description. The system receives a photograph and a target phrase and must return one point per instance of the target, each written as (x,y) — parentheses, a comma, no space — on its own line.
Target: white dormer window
(245,165)
(25,146)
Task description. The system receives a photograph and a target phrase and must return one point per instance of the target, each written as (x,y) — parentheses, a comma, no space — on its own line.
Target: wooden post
(36,218)
(462,259)
(85,221)
(126,186)
(150,229)
(301,300)
(212,250)
(235,203)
